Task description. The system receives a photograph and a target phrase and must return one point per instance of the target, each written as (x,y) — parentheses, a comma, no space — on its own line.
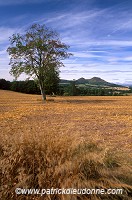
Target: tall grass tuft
(51,162)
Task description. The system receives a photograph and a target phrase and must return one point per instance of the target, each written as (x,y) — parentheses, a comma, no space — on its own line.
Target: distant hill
(127,84)
(93,81)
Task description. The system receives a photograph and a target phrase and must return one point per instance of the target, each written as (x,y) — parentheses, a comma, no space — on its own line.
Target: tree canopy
(38,53)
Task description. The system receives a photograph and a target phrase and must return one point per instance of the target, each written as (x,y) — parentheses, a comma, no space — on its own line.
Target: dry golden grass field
(68,142)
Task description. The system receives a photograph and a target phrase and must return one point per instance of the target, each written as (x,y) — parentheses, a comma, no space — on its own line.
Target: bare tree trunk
(43,93)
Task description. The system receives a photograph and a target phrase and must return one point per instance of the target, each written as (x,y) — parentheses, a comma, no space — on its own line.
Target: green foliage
(5,85)
(130,89)
(78,90)
(29,87)
(71,89)
(51,81)
(32,86)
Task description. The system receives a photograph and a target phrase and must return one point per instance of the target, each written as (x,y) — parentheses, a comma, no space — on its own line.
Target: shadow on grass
(80,101)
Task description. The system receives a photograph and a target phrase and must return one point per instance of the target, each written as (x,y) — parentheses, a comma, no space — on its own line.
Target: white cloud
(5,33)
(84,54)
(128,58)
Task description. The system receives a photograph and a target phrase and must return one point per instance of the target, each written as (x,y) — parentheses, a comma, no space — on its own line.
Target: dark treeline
(31,87)
(28,87)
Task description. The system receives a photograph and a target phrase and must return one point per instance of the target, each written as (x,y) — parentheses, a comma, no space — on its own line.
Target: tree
(71,89)
(52,80)
(5,85)
(37,53)
(28,86)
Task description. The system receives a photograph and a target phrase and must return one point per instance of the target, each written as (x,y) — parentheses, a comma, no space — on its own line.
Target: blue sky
(99,33)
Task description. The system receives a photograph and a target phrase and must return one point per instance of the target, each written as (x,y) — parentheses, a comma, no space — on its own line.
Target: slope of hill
(94,81)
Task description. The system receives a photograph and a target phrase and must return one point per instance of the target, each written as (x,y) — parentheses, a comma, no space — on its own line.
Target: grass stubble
(69,142)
